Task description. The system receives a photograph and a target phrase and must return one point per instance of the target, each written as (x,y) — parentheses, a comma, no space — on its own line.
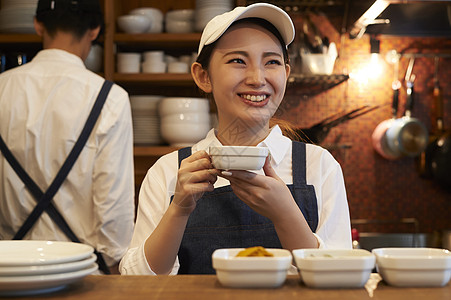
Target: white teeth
(254,98)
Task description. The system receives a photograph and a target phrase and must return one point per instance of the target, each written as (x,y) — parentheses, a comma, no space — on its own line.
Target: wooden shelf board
(16,38)
(159,39)
(160,78)
(155,151)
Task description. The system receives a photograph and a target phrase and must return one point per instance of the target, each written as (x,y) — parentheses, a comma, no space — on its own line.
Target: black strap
(44,199)
(299,163)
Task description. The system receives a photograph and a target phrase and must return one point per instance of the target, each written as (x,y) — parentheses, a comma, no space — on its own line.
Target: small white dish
(38,284)
(238,157)
(47,269)
(414,267)
(251,272)
(31,252)
(334,268)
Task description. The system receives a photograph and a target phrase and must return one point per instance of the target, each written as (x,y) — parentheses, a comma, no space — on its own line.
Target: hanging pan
(379,138)
(408,135)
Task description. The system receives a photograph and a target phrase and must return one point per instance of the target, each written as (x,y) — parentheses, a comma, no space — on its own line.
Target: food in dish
(254,251)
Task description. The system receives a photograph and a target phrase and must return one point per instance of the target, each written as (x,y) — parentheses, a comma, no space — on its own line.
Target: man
(44,106)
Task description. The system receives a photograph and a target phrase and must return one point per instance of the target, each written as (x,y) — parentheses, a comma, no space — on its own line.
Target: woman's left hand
(266,194)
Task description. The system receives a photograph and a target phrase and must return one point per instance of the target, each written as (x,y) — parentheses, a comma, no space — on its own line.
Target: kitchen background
(389,195)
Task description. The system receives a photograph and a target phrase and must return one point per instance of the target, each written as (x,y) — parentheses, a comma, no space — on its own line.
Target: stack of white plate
(16,16)
(208,9)
(146,121)
(35,267)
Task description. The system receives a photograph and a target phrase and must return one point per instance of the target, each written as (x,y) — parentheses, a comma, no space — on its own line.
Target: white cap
(274,15)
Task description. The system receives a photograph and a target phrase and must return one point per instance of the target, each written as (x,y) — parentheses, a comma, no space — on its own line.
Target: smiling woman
(188,208)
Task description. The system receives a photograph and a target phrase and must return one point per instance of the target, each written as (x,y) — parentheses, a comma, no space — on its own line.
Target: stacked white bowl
(154,15)
(146,120)
(129,62)
(208,9)
(133,23)
(184,120)
(16,16)
(154,62)
(179,21)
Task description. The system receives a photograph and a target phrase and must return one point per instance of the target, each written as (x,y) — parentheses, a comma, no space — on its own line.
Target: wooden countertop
(207,287)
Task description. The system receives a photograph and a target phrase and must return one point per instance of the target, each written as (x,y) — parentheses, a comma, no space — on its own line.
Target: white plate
(38,284)
(30,252)
(47,269)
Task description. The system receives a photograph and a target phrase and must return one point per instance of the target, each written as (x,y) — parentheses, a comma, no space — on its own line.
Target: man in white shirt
(44,106)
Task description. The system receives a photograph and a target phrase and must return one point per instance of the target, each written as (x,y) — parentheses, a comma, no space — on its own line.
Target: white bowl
(238,157)
(153,67)
(94,59)
(414,267)
(155,16)
(176,105)
(183,134)
(133,23)
(178,67)
(180,15)
(177,26)
(334,268)
(185,118)
(251,272)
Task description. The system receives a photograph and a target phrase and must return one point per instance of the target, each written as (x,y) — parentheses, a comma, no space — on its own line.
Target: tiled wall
(379,189)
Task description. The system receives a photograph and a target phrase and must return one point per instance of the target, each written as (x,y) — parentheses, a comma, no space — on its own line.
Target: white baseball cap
(274,15)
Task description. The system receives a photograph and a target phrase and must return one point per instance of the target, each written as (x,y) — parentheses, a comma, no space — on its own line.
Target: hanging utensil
(408,135)
(318,132)
(379,137)
(425,163)
(438,153)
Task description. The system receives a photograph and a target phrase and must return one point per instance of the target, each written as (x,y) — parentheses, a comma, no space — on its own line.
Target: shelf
(167,79)
(155,151)
(314,84)
(158,39)
(16,38)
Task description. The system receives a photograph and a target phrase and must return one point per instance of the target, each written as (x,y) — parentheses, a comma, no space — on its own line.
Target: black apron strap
(44,199)
(299,167)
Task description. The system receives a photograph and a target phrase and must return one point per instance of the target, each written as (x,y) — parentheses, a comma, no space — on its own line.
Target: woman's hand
(196,176)
(267,195)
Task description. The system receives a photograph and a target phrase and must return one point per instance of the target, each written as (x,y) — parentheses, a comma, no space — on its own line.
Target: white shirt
(323,172)
(43,107)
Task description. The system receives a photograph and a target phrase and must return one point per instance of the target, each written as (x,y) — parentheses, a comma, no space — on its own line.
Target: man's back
(44,105)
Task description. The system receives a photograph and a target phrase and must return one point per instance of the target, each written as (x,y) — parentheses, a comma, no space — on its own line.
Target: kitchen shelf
(314,84)
(22,38)
(158,39)
(171,79)
(157,151)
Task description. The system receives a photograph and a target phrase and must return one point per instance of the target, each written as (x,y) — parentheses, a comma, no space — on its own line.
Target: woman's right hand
(196,176)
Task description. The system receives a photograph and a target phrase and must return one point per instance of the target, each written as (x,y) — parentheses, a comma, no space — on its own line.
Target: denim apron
(222,220)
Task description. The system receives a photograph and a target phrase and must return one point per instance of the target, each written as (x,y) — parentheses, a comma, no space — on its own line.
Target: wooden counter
(207,287)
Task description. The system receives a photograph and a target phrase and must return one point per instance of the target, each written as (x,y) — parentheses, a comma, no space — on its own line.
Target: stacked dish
(34,267)
(16,16)
(146,121)
(179,21)
(208,9)
(184,121)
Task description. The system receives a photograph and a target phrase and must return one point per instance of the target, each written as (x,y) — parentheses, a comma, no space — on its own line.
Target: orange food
(254,251)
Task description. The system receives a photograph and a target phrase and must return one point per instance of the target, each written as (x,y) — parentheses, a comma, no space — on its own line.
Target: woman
(187,208)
